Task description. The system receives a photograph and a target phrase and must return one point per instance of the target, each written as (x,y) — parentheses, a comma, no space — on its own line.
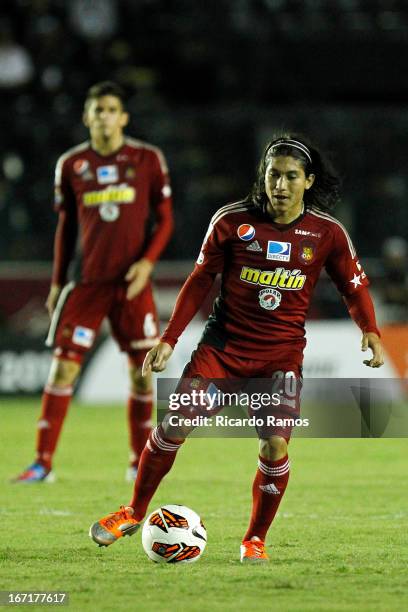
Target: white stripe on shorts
(57,313)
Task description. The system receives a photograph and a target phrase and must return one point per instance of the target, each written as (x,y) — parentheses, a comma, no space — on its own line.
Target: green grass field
(339,541)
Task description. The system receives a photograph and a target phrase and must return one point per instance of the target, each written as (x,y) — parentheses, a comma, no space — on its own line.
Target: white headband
(295,144)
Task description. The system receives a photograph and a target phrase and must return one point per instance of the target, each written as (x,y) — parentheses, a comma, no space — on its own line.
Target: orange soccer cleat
(113,526)
(253,551)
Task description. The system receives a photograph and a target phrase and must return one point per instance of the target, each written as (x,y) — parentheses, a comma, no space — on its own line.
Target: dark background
(208,82)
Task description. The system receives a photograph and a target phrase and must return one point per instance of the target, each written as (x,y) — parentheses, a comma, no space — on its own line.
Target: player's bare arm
(137,276)
(157,358)
(52,298)
(371,341)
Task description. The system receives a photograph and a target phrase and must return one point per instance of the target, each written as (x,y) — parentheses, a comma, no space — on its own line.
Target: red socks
(139,412)
(156,460)
(158,457)
(267,491)
(55,404)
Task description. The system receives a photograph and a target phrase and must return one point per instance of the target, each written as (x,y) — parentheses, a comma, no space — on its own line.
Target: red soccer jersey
(105,203)
(269,272)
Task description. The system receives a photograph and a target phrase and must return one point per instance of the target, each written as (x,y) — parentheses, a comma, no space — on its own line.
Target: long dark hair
(323,194)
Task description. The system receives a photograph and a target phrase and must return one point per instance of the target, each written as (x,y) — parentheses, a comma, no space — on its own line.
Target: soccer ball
(174,534)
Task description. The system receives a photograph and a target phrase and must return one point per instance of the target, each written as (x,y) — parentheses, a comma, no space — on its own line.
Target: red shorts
(81,309)
(282,378)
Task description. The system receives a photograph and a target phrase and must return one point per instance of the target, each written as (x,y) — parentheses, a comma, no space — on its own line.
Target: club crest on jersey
(246,232)
(278,251)
(130,172)
(269,299)
(80,166)
(307,251)
(107,174)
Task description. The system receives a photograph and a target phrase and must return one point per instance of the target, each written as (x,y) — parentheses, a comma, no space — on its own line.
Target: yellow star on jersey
(356,280)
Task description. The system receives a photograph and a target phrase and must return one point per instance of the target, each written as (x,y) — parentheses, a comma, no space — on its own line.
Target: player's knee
(175,436)
(139,383)
(63,372)
(174,429)
(273,448)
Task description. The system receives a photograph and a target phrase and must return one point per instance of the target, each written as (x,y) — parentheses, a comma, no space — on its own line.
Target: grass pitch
(339,541)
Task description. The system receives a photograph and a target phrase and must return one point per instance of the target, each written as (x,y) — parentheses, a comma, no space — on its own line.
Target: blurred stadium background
(209,83)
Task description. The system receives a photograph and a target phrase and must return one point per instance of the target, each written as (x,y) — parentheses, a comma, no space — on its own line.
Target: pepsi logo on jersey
(246,232)
(80,166)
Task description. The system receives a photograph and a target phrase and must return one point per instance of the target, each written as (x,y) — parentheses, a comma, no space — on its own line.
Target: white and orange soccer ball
(174,534)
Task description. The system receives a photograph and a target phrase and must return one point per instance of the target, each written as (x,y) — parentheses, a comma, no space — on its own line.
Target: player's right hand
(157,358)
(52,298)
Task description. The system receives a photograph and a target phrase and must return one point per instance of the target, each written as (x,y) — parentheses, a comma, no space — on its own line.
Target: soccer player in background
(105,189)
(270,249)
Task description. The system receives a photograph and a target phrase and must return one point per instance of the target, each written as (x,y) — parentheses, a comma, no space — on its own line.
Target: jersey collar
(282,227)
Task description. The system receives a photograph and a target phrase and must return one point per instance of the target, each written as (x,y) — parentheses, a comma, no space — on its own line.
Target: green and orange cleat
(253,551)
(113,526)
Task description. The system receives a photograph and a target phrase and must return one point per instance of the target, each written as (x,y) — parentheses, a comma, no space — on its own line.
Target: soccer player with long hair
(270,249)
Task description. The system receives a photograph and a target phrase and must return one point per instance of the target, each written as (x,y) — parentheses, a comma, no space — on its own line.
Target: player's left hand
(371,341)
(137,277)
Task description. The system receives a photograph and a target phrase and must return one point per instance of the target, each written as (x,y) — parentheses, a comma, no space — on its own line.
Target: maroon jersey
(104,203)
(269,272)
